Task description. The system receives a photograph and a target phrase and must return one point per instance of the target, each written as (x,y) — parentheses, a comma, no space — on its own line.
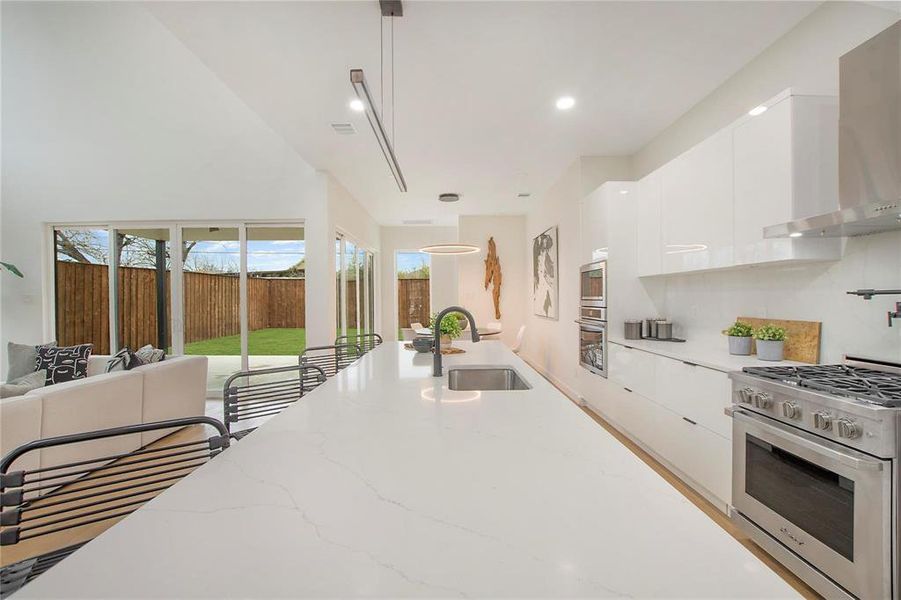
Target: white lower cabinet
(673,409)
(695,392)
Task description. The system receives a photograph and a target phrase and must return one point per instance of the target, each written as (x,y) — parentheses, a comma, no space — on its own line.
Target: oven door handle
(822,447)
(593,327)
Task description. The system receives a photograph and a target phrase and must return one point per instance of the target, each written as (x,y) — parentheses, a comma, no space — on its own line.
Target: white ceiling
(476,84)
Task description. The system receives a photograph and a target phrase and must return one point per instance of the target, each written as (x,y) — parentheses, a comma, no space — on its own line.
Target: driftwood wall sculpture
(493,275)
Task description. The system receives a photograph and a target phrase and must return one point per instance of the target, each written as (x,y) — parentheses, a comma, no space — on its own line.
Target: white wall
(108,117)
(552,345)
(443,273)
(509,233)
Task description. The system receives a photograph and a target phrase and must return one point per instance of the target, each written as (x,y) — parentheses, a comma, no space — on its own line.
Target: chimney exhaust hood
(869,162)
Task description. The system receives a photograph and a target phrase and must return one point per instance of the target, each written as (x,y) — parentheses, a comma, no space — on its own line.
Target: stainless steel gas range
(815,457)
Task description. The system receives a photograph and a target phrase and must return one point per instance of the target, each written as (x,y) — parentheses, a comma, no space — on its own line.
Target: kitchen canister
(632,329)
(664,330)
(650,328)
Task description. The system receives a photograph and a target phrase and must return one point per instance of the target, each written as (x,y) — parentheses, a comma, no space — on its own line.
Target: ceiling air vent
(344,128)
(417,221)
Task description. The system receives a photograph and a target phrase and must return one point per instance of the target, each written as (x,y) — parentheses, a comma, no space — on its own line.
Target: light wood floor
(709,509)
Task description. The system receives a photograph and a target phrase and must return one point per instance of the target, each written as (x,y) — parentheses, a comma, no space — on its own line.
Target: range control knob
(761,400)
(847,428)
(790,410)
(745,394)
(822,420)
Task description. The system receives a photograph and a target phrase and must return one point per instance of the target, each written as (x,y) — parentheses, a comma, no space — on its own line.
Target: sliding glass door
(143,287)
(355,280)
(276,295)
(211,299)
(81,270)
(233,292)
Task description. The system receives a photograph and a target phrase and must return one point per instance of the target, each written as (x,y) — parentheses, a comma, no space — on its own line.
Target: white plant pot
(770,349)
(740,346)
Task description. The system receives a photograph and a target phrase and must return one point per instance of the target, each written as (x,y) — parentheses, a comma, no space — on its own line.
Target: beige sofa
(175,387)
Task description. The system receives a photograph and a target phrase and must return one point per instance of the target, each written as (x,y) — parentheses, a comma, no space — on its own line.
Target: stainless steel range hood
(869,163)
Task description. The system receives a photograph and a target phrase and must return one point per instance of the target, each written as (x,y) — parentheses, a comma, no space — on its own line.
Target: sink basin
(485,379)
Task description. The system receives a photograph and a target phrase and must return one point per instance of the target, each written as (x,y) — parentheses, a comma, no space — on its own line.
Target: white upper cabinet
(706,209)
(786,167)
(648,224)
(593,226)
(696,210)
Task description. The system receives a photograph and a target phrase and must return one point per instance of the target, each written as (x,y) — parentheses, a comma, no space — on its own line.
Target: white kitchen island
(384,483)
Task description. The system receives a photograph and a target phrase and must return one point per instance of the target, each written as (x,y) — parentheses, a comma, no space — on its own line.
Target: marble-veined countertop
(384,483)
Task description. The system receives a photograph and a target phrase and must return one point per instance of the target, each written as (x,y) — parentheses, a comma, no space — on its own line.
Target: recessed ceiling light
(565,102)
(795,234)
(624,192)
(357,105)
(757,110)
(449,197)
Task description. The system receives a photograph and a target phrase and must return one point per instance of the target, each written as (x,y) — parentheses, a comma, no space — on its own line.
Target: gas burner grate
(878,387)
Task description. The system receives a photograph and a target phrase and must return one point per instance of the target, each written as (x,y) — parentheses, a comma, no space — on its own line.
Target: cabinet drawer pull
(689,420)
(627,389)
(690,364)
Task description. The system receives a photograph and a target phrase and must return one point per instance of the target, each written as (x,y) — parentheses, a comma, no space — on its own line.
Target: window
(413,272)
(276,295)
(81,273)
(233,292)
(143,288)
(355,297)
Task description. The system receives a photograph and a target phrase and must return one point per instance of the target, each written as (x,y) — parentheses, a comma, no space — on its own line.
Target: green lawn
(262,342)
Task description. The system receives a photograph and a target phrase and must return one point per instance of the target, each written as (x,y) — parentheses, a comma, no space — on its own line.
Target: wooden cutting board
(802,338)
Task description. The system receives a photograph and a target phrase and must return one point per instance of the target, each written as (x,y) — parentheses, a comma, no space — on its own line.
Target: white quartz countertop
(713,354)
(384,483)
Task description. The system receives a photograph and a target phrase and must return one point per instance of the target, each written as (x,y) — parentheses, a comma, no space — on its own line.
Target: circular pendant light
(450,249)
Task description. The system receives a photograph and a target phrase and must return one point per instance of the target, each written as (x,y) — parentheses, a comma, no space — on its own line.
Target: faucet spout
(437,370)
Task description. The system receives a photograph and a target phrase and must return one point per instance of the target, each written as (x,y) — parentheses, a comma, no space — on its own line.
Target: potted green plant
(770,342)
(739,338)
(450,327)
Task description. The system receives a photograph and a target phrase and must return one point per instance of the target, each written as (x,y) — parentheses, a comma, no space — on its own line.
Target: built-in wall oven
(593,318)
(593,347)
(593,282)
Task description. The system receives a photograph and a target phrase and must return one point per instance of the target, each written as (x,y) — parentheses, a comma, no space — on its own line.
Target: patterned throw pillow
(64,364)
(148,354)
(120,361)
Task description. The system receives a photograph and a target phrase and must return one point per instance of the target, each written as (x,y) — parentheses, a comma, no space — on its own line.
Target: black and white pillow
(64,364)
(148,354)
(120,361)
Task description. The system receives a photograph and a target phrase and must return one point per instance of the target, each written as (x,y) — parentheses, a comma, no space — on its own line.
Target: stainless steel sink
(485,379)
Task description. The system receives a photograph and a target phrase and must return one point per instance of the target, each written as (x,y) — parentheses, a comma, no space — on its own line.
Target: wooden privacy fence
(412,302)
(211,305)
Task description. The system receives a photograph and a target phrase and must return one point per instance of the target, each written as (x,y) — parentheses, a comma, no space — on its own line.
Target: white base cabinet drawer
(695,392)
(698,454)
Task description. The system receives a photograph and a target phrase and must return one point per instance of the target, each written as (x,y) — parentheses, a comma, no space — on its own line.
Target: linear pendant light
(358,80)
